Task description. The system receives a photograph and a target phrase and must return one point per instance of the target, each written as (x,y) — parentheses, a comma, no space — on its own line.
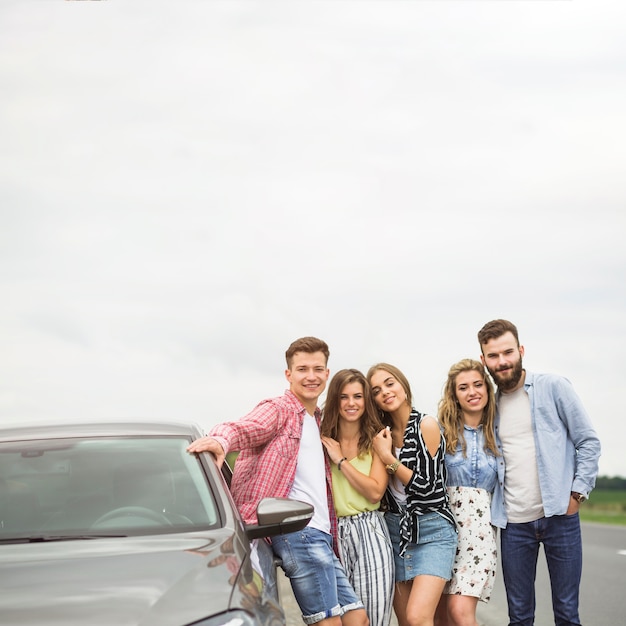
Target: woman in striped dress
(349,424)
(421,524)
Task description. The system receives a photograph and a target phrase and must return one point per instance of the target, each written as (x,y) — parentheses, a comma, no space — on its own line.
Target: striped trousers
(367,557)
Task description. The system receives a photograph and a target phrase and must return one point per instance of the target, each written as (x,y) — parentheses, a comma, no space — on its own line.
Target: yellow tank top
(348,501)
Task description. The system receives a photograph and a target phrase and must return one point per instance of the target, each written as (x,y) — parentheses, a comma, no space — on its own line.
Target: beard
(509,378)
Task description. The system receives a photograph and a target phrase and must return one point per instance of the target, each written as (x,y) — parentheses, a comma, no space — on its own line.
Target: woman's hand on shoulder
(383,446)
(431,433)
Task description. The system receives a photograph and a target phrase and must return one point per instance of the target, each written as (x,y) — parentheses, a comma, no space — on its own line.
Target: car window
(128,485)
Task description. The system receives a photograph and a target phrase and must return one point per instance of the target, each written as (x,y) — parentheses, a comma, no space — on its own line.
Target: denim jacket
(566,443)
(477,468)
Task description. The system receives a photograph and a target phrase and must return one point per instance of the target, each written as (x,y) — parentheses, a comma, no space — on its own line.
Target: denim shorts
(317,577)
(432,555)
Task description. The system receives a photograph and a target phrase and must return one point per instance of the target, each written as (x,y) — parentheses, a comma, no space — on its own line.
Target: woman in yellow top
(350,422)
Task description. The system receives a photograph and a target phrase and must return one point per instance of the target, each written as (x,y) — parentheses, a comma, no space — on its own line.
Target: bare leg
(441,614)
(423,600)
(356,617)
(462,610)
(329,621)
(400,601)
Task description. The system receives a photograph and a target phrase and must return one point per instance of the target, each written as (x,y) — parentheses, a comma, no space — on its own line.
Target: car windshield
(109,486)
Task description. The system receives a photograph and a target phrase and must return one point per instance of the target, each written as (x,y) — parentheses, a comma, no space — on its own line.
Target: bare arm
(431,433)
(371,486)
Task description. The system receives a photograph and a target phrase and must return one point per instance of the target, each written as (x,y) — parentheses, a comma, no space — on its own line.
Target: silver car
(115,523)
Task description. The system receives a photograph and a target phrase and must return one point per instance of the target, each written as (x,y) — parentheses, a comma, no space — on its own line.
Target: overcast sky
(186,187)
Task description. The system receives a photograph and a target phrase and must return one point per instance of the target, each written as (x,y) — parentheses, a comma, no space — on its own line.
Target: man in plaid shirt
(281,455)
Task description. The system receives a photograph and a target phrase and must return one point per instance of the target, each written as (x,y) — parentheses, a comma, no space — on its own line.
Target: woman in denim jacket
(475,469)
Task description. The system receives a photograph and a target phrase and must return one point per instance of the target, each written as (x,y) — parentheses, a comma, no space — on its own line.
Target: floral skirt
(474,570)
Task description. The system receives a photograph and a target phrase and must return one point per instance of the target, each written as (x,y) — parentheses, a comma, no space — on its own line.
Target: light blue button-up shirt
(566,443)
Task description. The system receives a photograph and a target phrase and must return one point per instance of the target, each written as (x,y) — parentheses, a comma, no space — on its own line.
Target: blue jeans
(562,544)
(317,578)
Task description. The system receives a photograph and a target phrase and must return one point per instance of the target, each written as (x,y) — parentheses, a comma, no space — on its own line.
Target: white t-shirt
(310,481)
(395,485)
(522,496)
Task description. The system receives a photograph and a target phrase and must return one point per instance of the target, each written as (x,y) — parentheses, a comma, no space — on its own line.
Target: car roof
(63,430)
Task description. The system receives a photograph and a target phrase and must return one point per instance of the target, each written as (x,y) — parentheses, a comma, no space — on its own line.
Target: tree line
(610,482)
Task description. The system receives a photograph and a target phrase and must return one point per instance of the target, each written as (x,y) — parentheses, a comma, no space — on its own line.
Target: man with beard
(551,453)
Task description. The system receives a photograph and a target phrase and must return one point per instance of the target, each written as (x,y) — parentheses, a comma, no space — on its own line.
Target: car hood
(165,580)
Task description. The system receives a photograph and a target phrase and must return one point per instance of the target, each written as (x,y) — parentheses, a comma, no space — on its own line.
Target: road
(602,597)
(602,591)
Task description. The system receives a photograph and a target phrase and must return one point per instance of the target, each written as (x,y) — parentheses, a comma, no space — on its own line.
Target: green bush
(605,506)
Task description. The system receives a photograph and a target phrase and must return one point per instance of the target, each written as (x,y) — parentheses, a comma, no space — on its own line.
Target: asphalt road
(602,591)
(288,602)
(602,596)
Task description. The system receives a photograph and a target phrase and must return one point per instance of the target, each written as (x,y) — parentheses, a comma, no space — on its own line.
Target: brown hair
(400,377)
(369,423)
(308,345)
(495,329)
(451,415)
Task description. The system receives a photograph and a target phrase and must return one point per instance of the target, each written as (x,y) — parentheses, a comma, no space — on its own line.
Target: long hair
(369,423)
(385,418)
(451,415)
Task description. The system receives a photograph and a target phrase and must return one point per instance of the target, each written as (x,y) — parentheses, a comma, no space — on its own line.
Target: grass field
(605,506)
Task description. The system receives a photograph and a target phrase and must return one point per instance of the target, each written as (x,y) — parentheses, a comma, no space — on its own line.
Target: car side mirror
(279,516)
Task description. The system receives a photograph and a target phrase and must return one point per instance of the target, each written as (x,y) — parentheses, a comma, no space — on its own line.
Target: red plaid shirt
(268,439)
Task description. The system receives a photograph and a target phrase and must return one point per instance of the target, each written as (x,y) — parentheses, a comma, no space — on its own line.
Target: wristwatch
(392,467)
(579,497)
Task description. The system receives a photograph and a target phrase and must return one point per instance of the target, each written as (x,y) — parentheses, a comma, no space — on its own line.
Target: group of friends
(407,506)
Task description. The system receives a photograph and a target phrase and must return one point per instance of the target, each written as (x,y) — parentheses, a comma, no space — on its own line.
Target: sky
(186,188)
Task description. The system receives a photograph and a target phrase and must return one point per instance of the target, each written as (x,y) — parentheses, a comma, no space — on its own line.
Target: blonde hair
(451,415)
